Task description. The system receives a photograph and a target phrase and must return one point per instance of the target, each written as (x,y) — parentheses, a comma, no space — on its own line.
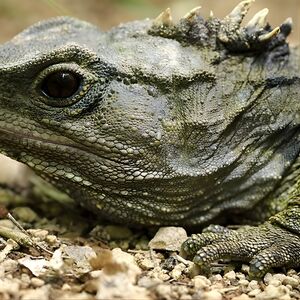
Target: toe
(278,255)
(197,241)
(235,250)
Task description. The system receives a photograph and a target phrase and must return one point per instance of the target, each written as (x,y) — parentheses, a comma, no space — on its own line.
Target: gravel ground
(70,256)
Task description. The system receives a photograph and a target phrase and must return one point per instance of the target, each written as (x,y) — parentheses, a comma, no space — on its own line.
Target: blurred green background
(15,15)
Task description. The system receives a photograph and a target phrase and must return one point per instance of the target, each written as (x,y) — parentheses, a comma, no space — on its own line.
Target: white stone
(37,282)
(168,238)
(230,275)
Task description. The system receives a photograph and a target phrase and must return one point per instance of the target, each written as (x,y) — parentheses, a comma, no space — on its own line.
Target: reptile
(157,122)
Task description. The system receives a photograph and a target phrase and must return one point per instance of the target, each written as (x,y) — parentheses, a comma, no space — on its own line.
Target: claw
(286,27)
(164,19)
(238,13)
(268,36)
(259,20)
(194,12)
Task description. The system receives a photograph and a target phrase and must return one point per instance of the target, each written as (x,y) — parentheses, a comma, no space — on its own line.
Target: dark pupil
(61,84)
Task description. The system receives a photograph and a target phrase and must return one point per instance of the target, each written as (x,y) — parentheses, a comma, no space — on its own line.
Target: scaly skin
(164,123)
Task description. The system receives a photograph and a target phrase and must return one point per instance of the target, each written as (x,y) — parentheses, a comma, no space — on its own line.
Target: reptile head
(151,122)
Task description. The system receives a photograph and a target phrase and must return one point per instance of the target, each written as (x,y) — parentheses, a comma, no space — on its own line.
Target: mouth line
(17,137)
(61,141)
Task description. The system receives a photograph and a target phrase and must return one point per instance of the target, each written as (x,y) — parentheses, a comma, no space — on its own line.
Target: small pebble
(95,273)
(254,293)
(2,273)
(25,214)
(39,233)
(164,291)
(163,277)
(267,278)
(244,282)
(9,266)
(146,264)
(7,223)
(296,276)
(273,292)
(212,295)
(148,282)
(181,290)
(51,239)
(118,232)
(25,281)
(177,271)
(241,297)
(292,272)
(253,284)
(41,293)
(230,275)
(37,282)
(186,297)
(66,287)
(201,282)
(240,276)
(142,244)
(291,281)
(279,276)
(218,285)
(91,286)
(289,287)
(245,269)
(216,278)
(274,282)
(160,274)
(10,287)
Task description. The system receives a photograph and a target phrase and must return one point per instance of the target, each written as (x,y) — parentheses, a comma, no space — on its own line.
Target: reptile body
(157,123)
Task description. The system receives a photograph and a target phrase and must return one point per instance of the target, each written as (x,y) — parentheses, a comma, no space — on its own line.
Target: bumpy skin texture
(171,124)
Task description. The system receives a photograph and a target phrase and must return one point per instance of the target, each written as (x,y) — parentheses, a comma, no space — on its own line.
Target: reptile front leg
(276,243)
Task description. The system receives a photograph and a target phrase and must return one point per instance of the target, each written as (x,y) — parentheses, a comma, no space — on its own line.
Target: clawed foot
(264,247)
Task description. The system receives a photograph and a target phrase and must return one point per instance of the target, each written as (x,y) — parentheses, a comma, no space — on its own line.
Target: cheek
(131,108)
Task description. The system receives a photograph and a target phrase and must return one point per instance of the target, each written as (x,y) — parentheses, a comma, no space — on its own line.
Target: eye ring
(63,84)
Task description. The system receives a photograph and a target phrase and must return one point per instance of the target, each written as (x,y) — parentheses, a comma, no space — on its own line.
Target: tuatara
(161,123)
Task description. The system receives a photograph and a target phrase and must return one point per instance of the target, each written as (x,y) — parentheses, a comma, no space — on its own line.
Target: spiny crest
(256,36)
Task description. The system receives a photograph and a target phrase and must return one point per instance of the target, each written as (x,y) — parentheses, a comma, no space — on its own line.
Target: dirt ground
(67,255)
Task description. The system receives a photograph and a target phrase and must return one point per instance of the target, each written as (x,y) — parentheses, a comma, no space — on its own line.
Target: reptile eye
(61,84)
